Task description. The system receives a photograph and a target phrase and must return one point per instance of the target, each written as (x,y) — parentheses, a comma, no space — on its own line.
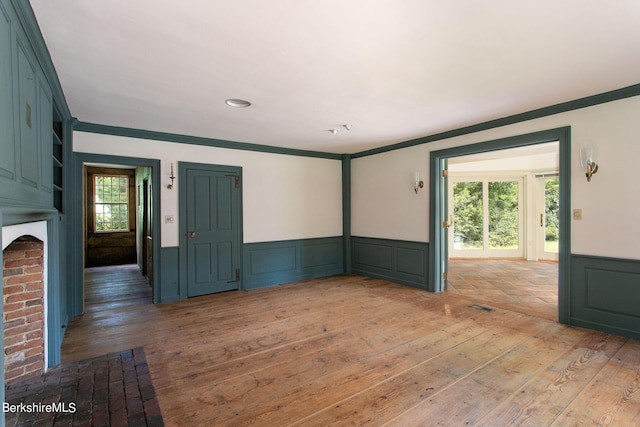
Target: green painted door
(213,231)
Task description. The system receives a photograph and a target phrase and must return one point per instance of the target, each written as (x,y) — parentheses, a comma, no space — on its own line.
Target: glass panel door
(468,216)
(504,215)
(487,218)
(549,220)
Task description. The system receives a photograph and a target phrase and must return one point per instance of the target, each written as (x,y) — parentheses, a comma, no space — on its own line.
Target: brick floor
(114,389)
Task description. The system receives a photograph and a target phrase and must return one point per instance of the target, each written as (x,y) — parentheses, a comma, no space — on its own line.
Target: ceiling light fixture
(333,131)
(347,127)
(237,103)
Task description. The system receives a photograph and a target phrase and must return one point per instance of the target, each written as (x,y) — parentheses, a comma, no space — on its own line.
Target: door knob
(191,234)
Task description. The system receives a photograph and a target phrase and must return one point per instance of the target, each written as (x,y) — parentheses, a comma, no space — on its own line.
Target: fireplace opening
(24,308)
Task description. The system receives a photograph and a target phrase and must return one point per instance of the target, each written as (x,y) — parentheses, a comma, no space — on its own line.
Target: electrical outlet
(577,214)
(168,219)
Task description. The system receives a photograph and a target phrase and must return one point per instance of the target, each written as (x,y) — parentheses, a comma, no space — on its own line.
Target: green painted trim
(183,167)
(285,261)
(75,221)
(346,211)
(589,101)
(564,214)
(170,272)
(31,28)
(383,259)
(197,140)
(563,135)
(54,321)
(606,299)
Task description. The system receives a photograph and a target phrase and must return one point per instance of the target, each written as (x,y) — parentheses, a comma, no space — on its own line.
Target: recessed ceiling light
(237,103)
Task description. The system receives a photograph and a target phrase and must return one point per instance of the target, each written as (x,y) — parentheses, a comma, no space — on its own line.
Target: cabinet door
(7,141)
(29,170)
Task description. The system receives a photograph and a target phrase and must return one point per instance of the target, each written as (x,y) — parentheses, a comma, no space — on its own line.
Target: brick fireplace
(24,309)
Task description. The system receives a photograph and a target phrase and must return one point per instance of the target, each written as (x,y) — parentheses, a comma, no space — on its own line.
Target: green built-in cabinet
(30,151)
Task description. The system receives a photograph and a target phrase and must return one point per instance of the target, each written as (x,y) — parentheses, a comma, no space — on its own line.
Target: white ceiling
(395,70)
(534,158)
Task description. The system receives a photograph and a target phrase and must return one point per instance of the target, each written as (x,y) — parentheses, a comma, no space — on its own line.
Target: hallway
(116,286)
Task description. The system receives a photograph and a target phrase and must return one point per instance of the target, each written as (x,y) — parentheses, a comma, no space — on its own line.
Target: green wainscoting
(274,263)
(605,294)
(265,264)
(398,261)
(169,287)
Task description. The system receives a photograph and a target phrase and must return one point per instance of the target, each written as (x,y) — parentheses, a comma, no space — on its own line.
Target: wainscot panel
(273,263)
(605,294)
(169,274)
(394,260)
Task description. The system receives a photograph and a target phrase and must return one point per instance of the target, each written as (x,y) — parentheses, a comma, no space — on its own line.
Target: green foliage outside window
(551,212)
(468,214)
(503,215)
(111,203)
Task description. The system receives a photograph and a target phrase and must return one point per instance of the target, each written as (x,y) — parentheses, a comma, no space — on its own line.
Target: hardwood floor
(349,350)
(524,286)
(107,288)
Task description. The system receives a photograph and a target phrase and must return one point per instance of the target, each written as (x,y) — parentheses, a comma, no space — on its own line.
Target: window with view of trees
(552,218)
(487,216)
(111,202)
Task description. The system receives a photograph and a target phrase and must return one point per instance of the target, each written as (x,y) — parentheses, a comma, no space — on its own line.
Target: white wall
(284,197)
(384,204)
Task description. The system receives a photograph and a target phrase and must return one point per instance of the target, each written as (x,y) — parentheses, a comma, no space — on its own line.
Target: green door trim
(563,136)
(183,167)
(75,228)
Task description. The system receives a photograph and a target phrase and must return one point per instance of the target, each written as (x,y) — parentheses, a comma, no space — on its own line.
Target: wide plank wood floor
(349,350)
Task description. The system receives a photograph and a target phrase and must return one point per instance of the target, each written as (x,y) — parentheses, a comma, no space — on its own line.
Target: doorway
(118,266)
(439,211)
(145,169)
(499,253)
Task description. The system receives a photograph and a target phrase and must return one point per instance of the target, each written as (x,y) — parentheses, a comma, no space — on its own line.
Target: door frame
(183,167)
(563,136)
(76,222)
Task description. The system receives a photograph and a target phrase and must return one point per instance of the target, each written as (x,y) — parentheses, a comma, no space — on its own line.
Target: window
(111,203)
(487,217)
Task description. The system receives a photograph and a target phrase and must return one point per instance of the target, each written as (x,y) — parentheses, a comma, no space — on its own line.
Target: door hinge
(237,279)
(444,276)
(445,224)
(237,178)
(445,173)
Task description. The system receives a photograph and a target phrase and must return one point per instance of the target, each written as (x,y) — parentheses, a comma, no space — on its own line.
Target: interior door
(213,231)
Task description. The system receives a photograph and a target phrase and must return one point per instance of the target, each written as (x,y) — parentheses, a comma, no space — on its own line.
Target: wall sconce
(172,177)
(417,182)
(589,160)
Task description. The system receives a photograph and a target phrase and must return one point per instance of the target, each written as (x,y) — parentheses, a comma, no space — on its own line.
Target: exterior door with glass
(488,217)
(548,208)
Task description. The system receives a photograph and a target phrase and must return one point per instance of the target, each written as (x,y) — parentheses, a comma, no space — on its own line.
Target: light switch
(168,219)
